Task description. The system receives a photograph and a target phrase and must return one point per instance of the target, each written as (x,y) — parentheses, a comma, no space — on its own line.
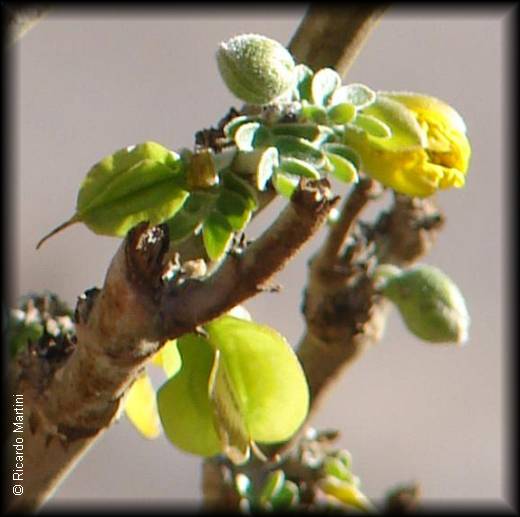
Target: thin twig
(353,205)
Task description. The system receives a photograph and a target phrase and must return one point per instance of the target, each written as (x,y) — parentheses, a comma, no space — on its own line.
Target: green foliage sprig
(296,124)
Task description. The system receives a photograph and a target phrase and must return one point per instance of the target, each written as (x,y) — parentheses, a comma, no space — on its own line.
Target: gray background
(88,83)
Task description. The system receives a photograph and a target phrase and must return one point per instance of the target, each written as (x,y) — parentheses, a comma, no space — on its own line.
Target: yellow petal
(430,108)
(141,407)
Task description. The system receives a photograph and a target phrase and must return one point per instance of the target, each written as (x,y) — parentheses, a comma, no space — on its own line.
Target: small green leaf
(231,127)
(342,113)
(20,333)
(216,235)
(292,146)
(299,168)
(251,135)
(316,114)
(265,375)
(326,134)
(266,166)
(190,217)
(272,486)
(303,81)
(345,457)
(243,485)
(286,497)
(307,131)
(406,131)
(373,126)
(183,403)
(237,184)
(342,169)
(235,208)
(343,150)
(324,83)
(335,467)
(357,94)
(284,183)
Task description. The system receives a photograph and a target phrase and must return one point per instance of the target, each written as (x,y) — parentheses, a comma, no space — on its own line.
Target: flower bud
(430,304)
(256,69)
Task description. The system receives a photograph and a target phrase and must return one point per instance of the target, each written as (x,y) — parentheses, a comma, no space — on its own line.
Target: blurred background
(86,83)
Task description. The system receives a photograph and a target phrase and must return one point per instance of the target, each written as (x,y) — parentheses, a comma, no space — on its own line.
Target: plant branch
(354,204)
(333,36)
(344,314)
(69,402)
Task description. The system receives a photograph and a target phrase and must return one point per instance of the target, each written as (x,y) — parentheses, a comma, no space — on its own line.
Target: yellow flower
(427,151)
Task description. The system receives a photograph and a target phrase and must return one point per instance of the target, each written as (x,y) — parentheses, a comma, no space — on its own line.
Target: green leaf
(307,131)
(303,81)
(235,208)
(266,166)
(237,184)
(243,485)
(216,235)
(272,486)
(265,375)
(373,126)
(342,113)
(343,150)
(326,134)
(252,135)
(286,497)
(313,113)
(324,83)
(136,184)
(190,217)
(299,168)
(20,333)
(103,173)
(183,403)
(342,169)
(148,191)
(406,131)
(231,127)
(292,146)
(336,468)
(284,183)
(357,94)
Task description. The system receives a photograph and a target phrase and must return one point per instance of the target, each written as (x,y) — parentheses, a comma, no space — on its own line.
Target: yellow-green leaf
(184,405)
(265,375)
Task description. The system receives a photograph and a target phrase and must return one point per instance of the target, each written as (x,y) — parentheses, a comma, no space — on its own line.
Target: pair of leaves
(239,385)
